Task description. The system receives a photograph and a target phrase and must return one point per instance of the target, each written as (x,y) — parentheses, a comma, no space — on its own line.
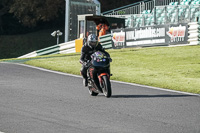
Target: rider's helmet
(92,41)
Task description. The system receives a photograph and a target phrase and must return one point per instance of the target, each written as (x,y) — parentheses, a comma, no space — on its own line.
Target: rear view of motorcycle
(98,75)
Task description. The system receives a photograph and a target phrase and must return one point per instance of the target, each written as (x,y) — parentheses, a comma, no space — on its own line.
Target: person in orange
(102,28)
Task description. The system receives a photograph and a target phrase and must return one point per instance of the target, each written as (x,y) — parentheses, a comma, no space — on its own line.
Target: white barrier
(67,51)
(29,55)
(64,48)
(67,45)
(194,33)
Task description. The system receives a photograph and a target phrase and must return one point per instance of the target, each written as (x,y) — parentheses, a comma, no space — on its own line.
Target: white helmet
(92,41)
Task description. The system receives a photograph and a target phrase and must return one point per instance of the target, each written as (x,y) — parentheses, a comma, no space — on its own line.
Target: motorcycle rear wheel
(92,93)
(106,87)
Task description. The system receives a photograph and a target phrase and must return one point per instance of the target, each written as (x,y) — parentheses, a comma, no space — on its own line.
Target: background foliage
(22,20)
(31,13)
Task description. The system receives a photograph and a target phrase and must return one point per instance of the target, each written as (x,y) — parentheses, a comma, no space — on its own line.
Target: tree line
(15,14)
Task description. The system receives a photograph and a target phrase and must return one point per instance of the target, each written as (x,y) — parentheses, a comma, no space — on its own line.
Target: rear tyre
(106,86)
(92,93)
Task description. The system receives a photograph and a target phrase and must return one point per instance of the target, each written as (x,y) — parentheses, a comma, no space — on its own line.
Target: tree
(30,12)
(4,8)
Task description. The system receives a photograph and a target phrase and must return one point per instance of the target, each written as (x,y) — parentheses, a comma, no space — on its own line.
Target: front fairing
(99,59)
(101,63)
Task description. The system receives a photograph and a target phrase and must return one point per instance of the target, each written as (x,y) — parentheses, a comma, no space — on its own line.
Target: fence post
(189,14)
(154,15)
(132,21)
(166,19)
(67,18)
(177,16)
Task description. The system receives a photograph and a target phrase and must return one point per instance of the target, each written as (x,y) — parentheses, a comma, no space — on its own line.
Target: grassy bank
(12,46)
(176,68)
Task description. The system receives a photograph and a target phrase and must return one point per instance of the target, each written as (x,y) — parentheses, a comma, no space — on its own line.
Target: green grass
(173,68)
(176,68)
(65,63)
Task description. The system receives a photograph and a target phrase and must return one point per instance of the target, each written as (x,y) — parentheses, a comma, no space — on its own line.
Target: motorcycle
(98,74)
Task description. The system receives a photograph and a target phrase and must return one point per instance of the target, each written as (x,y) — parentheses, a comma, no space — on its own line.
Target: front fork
(100,78)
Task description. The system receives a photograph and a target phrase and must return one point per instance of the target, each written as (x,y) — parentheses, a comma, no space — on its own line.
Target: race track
(37,101)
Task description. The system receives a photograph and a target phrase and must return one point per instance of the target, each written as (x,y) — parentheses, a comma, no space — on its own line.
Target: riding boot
(85,82)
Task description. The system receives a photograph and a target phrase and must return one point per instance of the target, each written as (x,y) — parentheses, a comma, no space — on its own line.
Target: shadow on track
(148,96)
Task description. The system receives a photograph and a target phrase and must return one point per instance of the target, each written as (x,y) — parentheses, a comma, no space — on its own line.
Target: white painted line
(43,69)
(1,132)
(121,82)
(155,88)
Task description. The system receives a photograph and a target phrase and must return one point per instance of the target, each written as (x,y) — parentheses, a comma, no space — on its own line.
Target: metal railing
(165,15)
(138,7)
(157,12)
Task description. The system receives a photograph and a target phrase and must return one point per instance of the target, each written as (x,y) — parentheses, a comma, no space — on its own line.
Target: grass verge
(18,45)
(176,68)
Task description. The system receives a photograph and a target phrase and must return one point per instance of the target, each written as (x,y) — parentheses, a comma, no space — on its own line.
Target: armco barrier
(106,41)
(68,47)
(50,50)
(194,33)
(63,48)
(29,55)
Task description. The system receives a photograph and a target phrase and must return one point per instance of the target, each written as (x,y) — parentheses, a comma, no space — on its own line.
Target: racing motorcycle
(98,74)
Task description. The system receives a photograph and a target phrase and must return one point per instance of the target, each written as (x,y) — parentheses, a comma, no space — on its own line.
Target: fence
(194,33)
(106,41)
(139,7)
(62,48)
(158,12)
(165,15)
(65,48)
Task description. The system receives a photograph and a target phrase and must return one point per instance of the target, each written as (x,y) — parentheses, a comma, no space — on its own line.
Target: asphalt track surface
(37,101)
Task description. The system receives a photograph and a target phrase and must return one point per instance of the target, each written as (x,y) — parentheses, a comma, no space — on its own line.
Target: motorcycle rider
(89,47)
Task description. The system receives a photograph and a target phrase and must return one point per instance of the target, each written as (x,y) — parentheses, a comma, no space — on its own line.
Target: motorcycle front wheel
(106,86)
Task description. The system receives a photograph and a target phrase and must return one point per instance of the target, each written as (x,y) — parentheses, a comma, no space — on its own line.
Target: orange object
(102,29)
(99,27)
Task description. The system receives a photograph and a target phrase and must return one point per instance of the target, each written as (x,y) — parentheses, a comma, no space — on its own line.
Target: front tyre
(106,86)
